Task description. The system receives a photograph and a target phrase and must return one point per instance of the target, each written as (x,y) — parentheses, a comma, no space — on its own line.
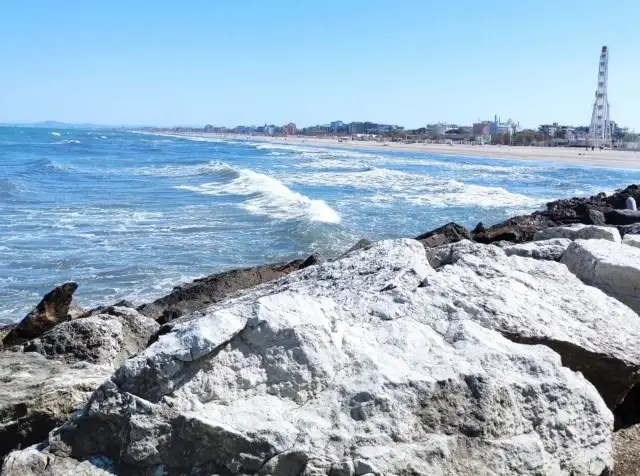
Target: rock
(517,230)
(202,292)
(37,395)
(611,267)
(35,462)
(622,217)
(479,228)
(580,232)
(630,229)
(106,339)
(449,233)
(547,249)
(374,364)
(632,240)
(626,445)
(362,243)
(594,217)
(52,310)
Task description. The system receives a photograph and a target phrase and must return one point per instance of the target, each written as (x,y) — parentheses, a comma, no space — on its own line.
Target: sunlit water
(130,215)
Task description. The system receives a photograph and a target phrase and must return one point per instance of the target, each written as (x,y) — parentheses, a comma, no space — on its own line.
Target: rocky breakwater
(387,361)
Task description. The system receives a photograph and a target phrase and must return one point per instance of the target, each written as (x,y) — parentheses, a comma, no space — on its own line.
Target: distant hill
(67,125)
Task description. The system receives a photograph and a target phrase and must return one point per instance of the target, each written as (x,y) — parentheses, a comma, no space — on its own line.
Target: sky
(406,62)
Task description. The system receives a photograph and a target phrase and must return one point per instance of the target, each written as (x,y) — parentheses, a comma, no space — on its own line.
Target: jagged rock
(627,451)
(374,364)
(105,339)
(547,249)
(632,240)
(479,228)
(449,233)
(594,217)
(611,267)
(362,243)
(630,229)
(37,395)
(517,229)
(53,309)
(622,217)
(205,291)
(579,232)
(42,464)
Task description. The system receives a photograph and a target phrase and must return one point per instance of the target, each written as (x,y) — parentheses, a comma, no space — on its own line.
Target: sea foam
(268,196)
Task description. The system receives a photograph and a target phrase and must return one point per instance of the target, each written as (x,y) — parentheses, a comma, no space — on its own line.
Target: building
(269,130)
(338,126)
(356,128)
(290,129)
(549,129)
(440,128)
(481,129)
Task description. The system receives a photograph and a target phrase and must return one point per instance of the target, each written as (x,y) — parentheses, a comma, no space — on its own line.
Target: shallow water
(131,215)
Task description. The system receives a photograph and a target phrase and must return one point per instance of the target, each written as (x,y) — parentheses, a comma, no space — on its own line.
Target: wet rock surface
(52,309)
(202,292)
(447,234)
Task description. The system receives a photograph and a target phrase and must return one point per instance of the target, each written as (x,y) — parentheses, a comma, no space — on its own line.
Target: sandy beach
(623,159)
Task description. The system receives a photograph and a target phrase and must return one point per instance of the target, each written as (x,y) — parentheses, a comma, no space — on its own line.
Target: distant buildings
(356,128)
(290,129)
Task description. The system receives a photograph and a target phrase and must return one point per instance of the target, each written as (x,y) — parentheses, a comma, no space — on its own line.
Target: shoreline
(608,158)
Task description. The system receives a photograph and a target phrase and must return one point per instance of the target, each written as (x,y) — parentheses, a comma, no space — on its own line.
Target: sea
(129,215)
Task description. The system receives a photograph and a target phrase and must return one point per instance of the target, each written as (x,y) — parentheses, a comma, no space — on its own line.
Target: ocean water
(131,215)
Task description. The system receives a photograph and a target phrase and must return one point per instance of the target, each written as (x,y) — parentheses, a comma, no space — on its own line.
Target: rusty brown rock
(52,310)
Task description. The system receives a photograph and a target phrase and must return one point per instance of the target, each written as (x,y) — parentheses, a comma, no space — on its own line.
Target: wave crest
(268,196)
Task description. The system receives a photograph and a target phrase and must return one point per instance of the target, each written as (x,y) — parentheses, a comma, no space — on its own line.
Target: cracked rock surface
(374,364)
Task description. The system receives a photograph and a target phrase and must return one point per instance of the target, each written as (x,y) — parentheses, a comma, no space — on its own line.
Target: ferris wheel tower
(600,129)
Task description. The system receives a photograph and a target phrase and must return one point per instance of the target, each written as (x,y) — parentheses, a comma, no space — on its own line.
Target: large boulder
(632,240)
(52,310)
(37,395)
(517,229)
(579,232)
(622,217)
(449,233)
(205,291)
(106,339)
(551,249)
(629,229)
(612,267)
(374,364)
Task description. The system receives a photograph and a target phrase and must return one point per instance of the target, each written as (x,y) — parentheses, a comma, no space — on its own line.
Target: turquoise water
(130,215)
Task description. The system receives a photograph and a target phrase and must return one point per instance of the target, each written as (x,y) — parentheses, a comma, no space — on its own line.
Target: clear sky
(407,62)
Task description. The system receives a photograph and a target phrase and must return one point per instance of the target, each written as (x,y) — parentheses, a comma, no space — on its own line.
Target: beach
(623,159)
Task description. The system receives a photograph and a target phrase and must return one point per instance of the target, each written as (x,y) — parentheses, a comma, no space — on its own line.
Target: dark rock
(312,260)
(363,243)
(629,229)
(518,229)
(52,310)
(445,235)
(107,339)
(479,228)
(622,217)
(593,217)
(211,289)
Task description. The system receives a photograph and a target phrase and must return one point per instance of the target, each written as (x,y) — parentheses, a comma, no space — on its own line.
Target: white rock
(632,240)
(579,232)
(551,249)
(375,364)
(611,267)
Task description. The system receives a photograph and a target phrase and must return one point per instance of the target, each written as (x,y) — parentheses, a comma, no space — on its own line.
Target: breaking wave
(68,141)
(418,189)
(210,167)
(268,196)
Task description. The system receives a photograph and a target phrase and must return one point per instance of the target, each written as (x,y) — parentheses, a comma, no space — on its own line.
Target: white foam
(210,167)
(68,141)
(418,188)
(57,134)
(268,196)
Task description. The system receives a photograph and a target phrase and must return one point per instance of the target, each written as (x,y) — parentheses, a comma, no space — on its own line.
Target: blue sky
(249,62)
